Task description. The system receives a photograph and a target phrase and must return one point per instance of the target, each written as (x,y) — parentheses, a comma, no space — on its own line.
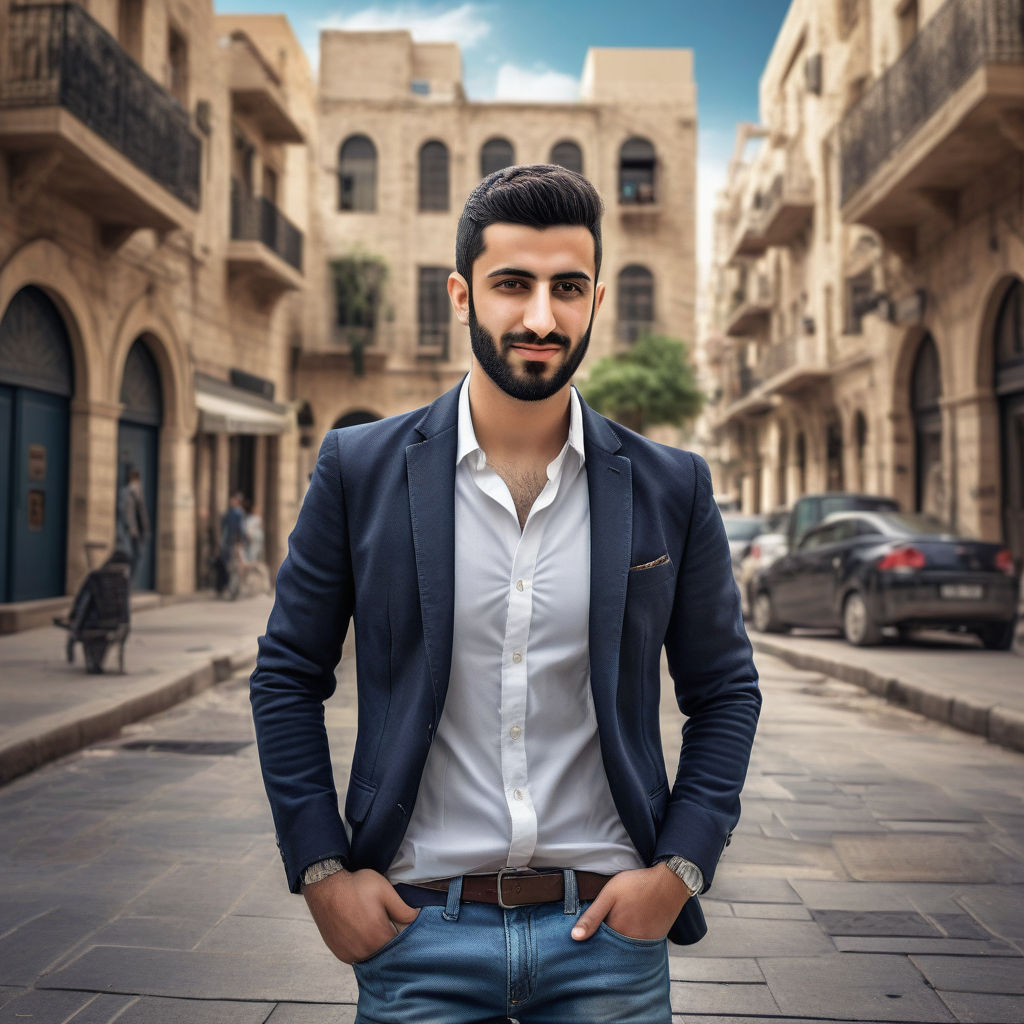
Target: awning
(238,413)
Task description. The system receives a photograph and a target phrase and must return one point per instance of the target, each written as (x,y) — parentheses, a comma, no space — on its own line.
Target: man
(514,564)
(132,518)
(232,536)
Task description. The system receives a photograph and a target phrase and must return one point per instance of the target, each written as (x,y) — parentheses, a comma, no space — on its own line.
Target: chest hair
(524,483)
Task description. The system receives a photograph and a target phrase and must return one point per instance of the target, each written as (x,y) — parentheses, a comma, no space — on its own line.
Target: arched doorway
(925,392)
(1009,386)
(782,468)
(860,442)
(801,465)
(138,445)
(36,384)
(835,480)
(357,416)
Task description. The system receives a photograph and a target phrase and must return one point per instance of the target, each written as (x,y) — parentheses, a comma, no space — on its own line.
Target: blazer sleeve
(294,674)
(711,663)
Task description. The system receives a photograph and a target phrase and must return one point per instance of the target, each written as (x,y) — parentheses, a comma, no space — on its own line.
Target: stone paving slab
(874,922)
(973,1008)
(946,947)
(28,951)
(103,1009)
(751,937)
(1000,909)
(973,974)
(194,1011)
(36,1005)
(857,986)
(298,1013)
(748,1000)
(771,911)
(905,858)
(710,969)
(153,932)
(211,976)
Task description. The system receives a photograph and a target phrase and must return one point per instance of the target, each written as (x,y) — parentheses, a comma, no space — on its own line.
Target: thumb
(588,921)
(398,910)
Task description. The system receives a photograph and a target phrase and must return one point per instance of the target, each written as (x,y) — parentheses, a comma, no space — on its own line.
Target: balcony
(749,239)
(80,118)
(744,396)
(788,206)
(751,310)
(791,365)
(947,109)
(265,246)
(256,92)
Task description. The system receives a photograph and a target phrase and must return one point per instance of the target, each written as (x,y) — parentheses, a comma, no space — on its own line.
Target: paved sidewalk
(939,676)
(49,708)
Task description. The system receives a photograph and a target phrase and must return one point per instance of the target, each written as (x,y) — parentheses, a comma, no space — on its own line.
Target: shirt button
(518,794)
(519,585)
(515,732)
(517,657)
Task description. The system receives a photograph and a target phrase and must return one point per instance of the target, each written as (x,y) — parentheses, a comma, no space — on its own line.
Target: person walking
(132,518)
(232,537)
(514,565)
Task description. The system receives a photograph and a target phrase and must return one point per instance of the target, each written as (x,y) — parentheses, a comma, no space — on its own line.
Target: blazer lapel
(609,482)
(430,466)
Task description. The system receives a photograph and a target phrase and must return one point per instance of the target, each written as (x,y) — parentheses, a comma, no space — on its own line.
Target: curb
(64,733)
(1000,725)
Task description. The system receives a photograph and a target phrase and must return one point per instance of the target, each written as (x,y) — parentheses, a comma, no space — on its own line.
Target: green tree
(653,383)
(359,282)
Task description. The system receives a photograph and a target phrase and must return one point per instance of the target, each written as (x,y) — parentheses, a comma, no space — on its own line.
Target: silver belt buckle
(502,875)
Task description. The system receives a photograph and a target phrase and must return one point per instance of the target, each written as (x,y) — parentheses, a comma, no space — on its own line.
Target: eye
(510,284)
(568,287)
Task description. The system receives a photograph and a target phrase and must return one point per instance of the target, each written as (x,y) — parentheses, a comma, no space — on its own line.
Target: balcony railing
(57,55)
(777,358)
(962,37)
(257,219)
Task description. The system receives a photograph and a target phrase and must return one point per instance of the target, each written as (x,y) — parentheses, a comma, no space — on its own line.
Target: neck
(508,428)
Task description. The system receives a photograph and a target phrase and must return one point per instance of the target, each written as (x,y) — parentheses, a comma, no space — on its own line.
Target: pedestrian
(132,518)
(253,560)
(232,537)
(514,564)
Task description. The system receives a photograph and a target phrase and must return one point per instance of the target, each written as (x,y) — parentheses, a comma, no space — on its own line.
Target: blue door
(37,515)
(36,383)
(137,446)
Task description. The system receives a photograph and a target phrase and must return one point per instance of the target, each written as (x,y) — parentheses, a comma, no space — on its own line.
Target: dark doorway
(925,391)
(1009,385)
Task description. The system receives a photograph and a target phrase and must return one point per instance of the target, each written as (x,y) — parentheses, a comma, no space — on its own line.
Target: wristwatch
(321,869)
(687,872)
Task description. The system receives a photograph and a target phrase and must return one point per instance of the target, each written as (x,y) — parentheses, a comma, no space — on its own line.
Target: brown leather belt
(520,887)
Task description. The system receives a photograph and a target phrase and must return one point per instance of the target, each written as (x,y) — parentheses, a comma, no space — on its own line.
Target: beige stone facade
(634,130)
(864,324)
(173,297)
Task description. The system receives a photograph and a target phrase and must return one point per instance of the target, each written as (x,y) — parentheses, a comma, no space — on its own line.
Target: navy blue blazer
(374,544)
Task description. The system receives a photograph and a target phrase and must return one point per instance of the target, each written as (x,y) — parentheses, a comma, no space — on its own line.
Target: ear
(598,296)
(458,292)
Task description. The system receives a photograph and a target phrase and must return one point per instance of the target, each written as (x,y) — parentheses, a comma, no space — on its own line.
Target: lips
(537,353)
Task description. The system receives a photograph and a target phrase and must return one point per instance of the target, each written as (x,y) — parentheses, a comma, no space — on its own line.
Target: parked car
(812,509)
(741,530)
(862,571)
(764,549)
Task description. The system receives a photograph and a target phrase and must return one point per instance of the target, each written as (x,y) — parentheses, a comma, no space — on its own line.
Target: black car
(861,571)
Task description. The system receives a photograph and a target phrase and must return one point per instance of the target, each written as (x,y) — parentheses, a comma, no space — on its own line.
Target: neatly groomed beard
(531,385)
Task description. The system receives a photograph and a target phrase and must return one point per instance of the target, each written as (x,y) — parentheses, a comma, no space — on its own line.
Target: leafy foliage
(359,281)
(653,383)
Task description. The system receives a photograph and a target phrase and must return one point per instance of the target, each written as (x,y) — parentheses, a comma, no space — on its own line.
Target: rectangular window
(433,311)
(177,66)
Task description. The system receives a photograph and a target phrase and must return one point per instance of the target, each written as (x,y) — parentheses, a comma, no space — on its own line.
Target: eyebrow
(567,275)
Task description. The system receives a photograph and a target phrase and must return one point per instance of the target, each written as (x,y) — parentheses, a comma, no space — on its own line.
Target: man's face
(532,305)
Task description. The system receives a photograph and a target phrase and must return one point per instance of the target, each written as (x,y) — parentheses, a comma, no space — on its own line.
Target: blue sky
(534,49)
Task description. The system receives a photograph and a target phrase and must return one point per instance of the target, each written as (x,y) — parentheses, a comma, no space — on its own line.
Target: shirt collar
(468,444)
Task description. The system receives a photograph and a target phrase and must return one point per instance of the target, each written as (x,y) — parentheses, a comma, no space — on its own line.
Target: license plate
(962,591)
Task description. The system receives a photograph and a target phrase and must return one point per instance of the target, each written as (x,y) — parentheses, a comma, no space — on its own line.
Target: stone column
(176,543)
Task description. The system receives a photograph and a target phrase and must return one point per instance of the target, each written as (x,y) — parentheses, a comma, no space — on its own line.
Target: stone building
(400,148)
(153,202)
(867,326)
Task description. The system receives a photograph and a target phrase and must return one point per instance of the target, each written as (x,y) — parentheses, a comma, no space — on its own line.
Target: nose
(538,316)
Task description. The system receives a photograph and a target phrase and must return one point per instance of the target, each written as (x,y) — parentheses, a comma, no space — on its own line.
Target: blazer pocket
(359,799)
(649,574)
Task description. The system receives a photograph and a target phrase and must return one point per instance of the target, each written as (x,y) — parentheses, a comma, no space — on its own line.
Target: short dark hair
(537,195)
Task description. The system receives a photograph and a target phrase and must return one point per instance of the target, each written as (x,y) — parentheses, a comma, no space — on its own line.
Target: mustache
(529,338)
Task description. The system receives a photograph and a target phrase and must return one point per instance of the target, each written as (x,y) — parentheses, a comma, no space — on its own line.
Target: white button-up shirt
(514,776)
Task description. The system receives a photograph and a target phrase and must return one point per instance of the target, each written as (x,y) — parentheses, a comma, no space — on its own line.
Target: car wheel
(998,636)
(859,625)
(764,614)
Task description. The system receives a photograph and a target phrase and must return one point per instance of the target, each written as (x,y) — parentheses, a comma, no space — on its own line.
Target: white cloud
(465,24)
(535,85)
(712,175)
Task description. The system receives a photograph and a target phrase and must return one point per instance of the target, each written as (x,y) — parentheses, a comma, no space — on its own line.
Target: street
(877,875)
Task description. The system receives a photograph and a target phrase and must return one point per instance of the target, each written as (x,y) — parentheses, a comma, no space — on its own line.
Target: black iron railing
(57,55)
(257,219)
(963,36)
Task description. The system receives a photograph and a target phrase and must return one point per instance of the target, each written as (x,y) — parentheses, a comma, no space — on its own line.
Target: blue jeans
(473,963)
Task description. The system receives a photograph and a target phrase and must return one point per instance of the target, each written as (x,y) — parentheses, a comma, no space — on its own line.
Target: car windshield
(857,503)
(743,529)
(918,523)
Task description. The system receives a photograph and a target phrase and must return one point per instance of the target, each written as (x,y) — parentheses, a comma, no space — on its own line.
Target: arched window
(636,171)
(834,454)
(494,155)
(568,155)
(357,175)
(635,302)
(925,392)
(433,176)
(354,418)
